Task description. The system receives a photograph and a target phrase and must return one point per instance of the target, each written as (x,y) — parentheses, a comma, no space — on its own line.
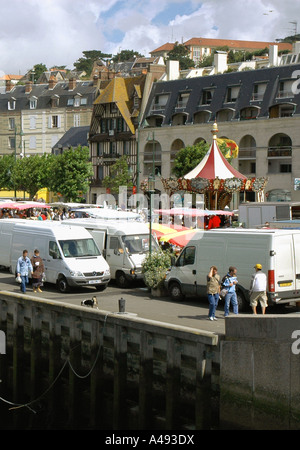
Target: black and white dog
(90,302)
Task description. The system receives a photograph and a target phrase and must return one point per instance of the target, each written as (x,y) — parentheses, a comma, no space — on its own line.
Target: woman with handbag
(38,271)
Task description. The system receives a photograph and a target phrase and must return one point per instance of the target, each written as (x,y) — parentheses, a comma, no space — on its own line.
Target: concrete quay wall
(77,367)
(260,372)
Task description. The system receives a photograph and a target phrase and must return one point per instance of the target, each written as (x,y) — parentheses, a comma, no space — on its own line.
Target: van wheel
(121,280)
(101,288)
(242,302)
(176,292)
(62,285)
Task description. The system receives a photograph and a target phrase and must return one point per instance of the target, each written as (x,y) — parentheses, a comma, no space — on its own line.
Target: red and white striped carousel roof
(214,165)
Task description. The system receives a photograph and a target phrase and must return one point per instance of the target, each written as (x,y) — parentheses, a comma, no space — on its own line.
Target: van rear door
(296,239)
(285,279)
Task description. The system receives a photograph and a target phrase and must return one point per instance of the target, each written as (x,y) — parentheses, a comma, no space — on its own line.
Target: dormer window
(33,102)
(77,99)
(55,101)
(70,102)
(11,104)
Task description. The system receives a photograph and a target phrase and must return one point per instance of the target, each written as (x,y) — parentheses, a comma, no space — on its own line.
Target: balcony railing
(280,152)
(181,104)
(247,153)
(257,96)
(285,94)
(157,107)
(148,157)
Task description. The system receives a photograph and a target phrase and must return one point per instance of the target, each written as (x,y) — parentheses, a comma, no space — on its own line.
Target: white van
(277,250)
(124,245)
(70,254)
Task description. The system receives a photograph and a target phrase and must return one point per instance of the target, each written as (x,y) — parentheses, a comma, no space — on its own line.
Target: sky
(56,32)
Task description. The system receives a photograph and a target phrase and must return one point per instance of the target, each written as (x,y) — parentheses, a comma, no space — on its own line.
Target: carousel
(216,178)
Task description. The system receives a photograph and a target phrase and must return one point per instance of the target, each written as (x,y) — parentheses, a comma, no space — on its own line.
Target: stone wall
(259,377)
(70,367)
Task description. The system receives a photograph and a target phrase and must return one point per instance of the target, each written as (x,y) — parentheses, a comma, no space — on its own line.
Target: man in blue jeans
(230,283)
(24,266)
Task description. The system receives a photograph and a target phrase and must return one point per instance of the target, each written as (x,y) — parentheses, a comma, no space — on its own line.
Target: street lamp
(151,190)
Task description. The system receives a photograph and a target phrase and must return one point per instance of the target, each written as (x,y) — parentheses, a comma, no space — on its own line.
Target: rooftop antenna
(295,23)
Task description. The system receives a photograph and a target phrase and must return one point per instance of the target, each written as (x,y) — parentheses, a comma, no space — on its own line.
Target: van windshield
(138,244)
(79,248)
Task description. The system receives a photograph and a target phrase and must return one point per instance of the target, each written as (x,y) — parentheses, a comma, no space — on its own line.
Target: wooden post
(120,378)
(173,383)
(145,380)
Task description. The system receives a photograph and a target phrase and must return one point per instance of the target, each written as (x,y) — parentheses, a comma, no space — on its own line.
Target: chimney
(172,68)
(95,81)
(273,55)
(8,86)
(296,47)
(52,82)
(220,61)
(72,84)
(28,87)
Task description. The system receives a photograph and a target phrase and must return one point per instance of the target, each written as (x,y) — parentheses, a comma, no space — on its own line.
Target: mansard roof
(43,93)
(219,84)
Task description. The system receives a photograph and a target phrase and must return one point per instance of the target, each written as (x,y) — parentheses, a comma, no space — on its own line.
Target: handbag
(18,279)
(223,292)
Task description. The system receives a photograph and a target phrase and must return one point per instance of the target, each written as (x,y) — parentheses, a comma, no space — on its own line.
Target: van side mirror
(173,260)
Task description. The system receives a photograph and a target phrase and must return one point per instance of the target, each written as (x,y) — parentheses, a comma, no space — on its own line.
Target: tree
(181,53)
(29,174)
(6,167)
(86,62)
(71,173)
(119,176)
(126,55)
(188,158)
(38,70)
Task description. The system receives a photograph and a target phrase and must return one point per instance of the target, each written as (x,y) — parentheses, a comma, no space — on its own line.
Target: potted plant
(154,269)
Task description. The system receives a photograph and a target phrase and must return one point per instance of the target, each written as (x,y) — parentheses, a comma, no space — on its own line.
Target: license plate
(94,281)
(285,284)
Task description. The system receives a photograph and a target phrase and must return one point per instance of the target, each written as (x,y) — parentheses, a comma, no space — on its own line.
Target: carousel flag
(233,149)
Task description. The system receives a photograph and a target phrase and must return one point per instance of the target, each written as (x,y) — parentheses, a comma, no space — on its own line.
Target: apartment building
(202,47)
(33,117)
(258,109)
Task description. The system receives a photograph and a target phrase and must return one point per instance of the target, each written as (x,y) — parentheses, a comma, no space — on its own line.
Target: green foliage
(119,176)
(39,69)
(181,53)
(28,174)
(72,171)
(69,173)
(6,167)
(154,268)
(86,62)
(187,158)
(126,55)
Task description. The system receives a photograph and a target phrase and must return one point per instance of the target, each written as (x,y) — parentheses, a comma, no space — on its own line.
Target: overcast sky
(56,32)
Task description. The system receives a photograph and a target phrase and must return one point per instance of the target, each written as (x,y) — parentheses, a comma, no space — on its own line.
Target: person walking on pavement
(213,291)
(229,282)
(258,290)
(24,266)
(38,270)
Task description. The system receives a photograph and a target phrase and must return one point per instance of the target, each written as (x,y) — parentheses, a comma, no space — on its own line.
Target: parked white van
(124,245)
(70,254)
(277,250)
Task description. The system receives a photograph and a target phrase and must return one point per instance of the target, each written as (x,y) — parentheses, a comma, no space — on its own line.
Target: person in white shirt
(258,289)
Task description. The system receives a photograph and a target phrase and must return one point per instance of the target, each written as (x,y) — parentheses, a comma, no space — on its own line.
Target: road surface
(191,313)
